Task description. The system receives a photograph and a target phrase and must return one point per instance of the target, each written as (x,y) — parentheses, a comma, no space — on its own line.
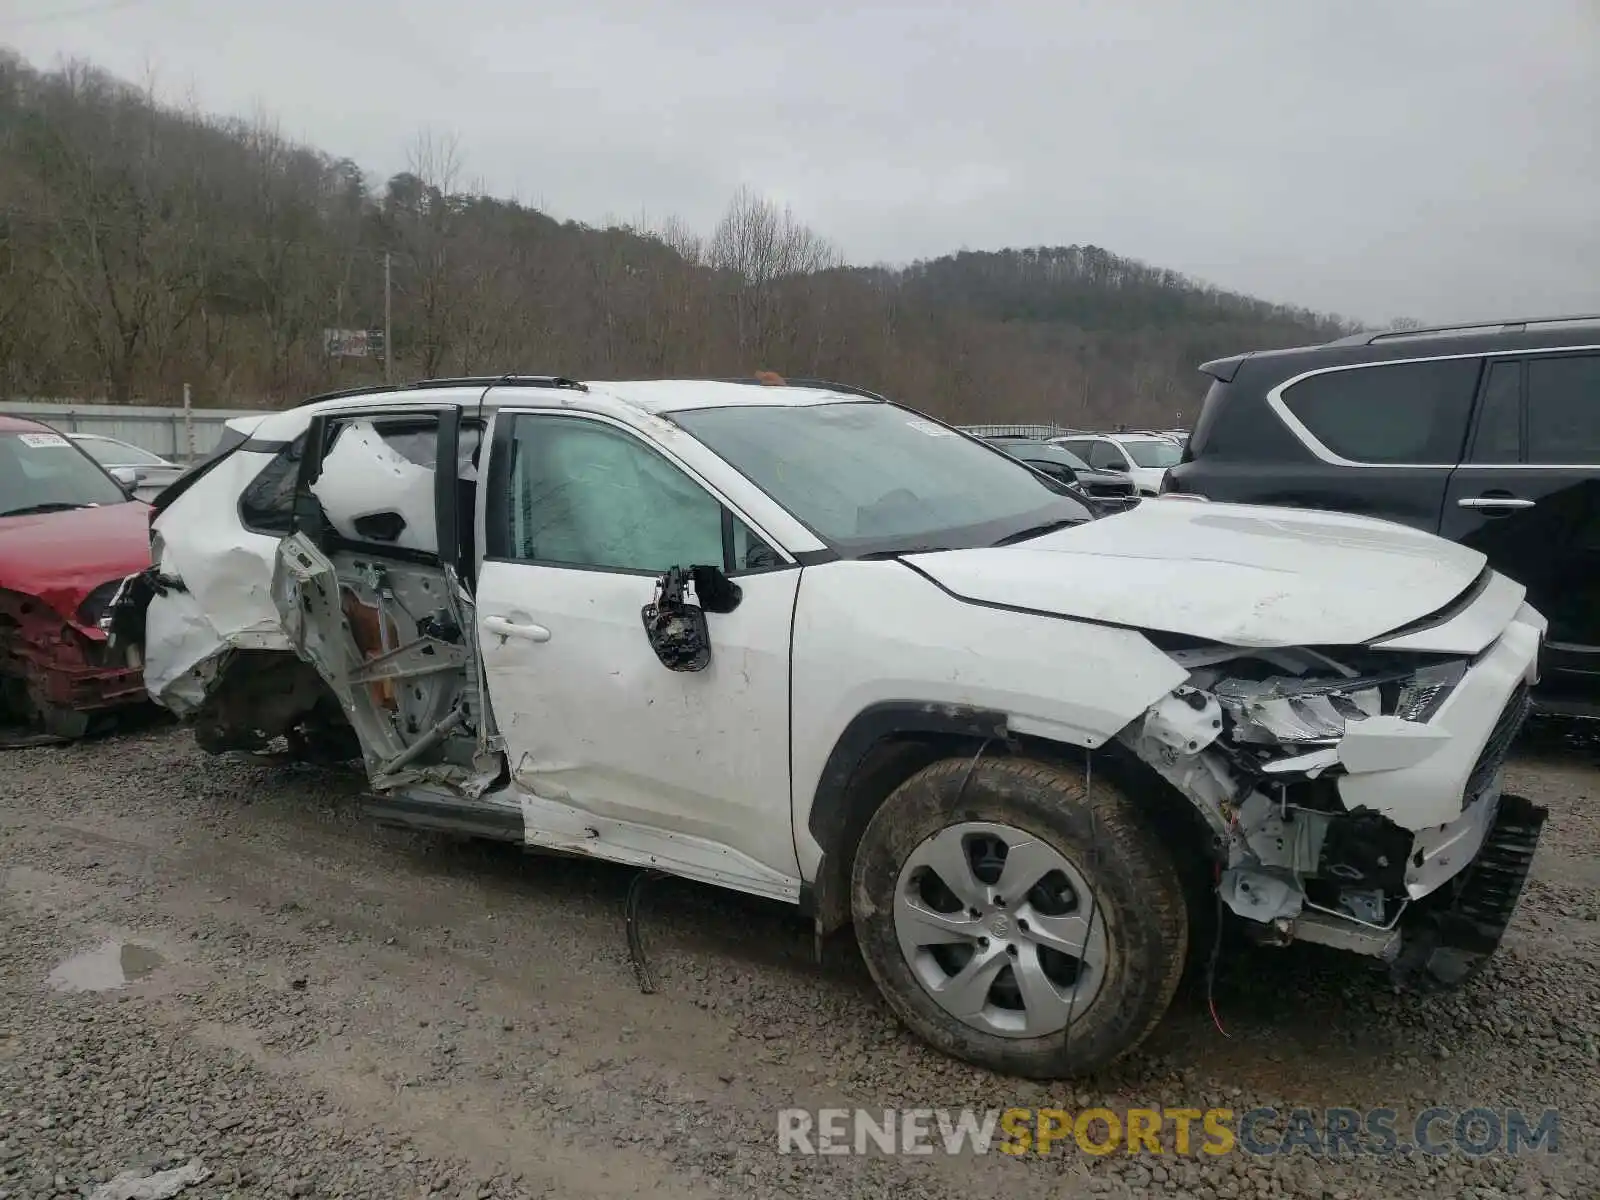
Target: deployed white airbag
(363,476)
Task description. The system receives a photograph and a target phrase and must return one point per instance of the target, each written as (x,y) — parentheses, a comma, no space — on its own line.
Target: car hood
(61,557)
(1244,575)
(1093,476)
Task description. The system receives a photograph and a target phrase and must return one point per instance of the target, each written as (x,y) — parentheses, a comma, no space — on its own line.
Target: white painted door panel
(593,721)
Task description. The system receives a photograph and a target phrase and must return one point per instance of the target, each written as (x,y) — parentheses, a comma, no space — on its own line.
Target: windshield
(1040,452)
(43,472)
(1154,453)
(869,477)
(110,453)
(1071,459)
(1050,452)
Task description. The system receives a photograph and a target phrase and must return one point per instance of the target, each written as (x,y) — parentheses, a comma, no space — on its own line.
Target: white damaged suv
(796,640)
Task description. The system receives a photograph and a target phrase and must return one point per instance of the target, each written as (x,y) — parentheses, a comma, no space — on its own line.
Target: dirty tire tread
(1138,894)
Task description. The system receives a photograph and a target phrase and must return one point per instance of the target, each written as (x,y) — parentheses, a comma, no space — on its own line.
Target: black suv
(1488,435)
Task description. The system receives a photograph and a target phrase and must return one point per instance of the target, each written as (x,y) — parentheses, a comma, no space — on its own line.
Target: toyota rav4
(803,642)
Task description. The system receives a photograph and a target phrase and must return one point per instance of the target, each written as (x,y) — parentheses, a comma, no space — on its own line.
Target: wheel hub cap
(999,927)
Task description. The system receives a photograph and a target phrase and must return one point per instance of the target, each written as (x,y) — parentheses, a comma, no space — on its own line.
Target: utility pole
(388,329)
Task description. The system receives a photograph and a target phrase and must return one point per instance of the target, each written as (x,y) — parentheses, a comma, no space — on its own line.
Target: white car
(1142,457)
(811,645)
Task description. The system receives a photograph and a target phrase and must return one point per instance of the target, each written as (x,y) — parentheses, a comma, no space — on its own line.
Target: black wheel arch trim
(832,804)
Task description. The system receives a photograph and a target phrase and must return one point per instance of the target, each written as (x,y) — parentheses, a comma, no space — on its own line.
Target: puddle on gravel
(108,966)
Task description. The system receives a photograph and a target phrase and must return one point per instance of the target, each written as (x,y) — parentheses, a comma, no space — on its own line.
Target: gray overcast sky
(1436,158)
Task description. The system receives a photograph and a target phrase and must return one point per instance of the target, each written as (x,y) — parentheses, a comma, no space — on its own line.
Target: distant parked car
(1488,435)
(69,535)
(147,473)
(1110,492)
(1141,457)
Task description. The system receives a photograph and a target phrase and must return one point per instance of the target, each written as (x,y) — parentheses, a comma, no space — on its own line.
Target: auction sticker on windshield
(36,440)
(930,428)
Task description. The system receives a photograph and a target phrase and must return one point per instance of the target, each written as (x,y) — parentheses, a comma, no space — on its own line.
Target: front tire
(1017,919)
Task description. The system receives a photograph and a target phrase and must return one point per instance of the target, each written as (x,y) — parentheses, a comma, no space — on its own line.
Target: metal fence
(164,431)
(1041,432)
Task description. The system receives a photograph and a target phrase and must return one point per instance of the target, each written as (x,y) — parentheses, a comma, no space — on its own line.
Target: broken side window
(376,483)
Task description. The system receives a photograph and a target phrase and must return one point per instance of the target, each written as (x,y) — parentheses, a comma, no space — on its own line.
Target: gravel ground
(321,1007)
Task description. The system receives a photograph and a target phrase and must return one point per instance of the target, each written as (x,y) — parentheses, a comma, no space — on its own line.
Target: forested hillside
(143,247)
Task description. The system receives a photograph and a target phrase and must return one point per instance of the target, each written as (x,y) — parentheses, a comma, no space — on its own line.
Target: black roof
(1476,337)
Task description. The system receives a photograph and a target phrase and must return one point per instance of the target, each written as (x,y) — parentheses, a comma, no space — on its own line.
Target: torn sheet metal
(1439,853)
(363,476)
(1278,841)
(183,652)
(1260,895)
(233,586)
(1188,720)
(47,662)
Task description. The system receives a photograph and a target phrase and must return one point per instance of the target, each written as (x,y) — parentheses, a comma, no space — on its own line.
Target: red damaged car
(69,535)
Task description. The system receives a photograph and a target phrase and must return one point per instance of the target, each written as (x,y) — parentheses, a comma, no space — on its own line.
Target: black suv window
(1564,410)
(1499,436)
(1396,413)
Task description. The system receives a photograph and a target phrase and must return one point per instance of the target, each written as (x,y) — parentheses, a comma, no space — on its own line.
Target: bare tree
(123,251)
(761,246)
(423,206)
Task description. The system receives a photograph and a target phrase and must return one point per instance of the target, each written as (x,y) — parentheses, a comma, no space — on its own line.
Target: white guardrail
(163,431)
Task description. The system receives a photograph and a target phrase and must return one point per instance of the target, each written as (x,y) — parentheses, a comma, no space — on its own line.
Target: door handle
(528,632)
(1494,503)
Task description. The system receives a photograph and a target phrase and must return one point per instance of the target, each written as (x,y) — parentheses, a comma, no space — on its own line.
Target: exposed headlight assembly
(1423,693)
(1301,712)
(1297,711)
(98,602)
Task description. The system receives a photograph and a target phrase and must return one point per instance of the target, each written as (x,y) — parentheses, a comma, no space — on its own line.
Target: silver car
(142,471)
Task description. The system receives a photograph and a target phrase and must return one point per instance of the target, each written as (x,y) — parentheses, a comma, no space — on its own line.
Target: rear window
(267,504)
(1396,413)
(1154,453)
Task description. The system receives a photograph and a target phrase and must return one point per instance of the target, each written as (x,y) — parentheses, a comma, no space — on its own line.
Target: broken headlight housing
(1301,711)
(98,602)
(1422,693)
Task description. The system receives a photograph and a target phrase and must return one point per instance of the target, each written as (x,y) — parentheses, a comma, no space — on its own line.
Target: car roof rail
(1505,325)
(773,379)
(375,389)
